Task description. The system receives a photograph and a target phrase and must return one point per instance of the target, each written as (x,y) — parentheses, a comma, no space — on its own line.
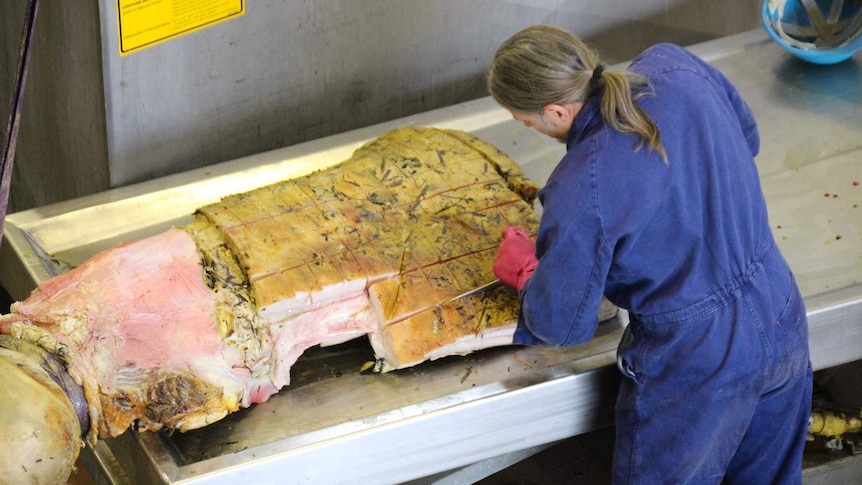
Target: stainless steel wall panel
(284,73)
(62,149)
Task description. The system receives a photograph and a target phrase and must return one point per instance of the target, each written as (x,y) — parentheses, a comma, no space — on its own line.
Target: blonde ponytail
(544,65)
(621,112)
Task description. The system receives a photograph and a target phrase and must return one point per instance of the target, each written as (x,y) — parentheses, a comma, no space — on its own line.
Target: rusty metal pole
(7,157)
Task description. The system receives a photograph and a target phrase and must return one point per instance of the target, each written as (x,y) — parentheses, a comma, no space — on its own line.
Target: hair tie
(597,77)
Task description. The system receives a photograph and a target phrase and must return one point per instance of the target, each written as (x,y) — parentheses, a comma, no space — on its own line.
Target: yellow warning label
(144,23)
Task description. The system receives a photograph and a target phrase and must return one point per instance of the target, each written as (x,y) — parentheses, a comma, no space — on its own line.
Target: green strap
(818,20)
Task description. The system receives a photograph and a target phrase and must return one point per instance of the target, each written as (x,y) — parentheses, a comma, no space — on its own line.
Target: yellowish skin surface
(39,427)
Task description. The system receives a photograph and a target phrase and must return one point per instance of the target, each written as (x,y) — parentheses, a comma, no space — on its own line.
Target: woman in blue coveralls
(657,205)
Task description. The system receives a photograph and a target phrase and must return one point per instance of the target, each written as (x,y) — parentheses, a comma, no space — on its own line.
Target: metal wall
(285,72)
(62,147)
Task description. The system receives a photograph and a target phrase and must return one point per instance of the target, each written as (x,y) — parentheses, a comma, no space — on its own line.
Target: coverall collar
(583,120)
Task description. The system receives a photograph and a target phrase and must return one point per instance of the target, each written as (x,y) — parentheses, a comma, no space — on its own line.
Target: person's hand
(516,258)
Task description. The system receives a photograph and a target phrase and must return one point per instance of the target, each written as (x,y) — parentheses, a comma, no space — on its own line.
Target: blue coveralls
(716,373)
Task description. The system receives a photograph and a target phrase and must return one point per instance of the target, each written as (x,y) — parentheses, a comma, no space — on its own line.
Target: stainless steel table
(335,425)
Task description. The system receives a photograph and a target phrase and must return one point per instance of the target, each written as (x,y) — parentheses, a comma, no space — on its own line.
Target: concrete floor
(586,460)
(582,460)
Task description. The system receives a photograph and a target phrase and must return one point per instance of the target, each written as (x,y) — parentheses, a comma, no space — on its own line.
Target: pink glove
(516,258)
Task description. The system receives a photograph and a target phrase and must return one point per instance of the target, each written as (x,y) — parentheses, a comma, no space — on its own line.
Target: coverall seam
(687,69)
(720,298)
(586,295)
(640,385)
(764,341)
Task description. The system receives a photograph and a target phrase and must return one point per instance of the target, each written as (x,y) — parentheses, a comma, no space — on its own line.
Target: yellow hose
(827,423)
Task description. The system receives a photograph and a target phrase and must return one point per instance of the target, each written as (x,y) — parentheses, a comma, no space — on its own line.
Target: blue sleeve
(560,303)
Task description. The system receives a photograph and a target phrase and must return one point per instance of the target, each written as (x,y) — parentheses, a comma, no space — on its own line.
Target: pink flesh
(146,306)
(350,317)
(138,305)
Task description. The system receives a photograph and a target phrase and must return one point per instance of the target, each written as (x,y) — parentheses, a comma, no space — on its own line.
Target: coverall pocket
(792,325)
